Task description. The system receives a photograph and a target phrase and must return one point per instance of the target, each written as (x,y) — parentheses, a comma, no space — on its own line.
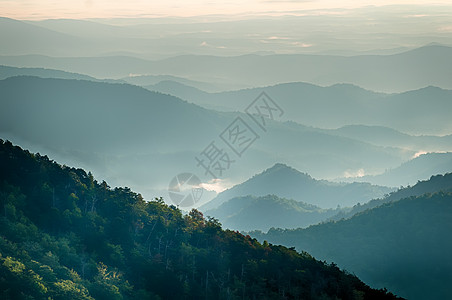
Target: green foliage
(286,182)
(63,235)
(262,213)
(434,184)
(403,245)
(67,289)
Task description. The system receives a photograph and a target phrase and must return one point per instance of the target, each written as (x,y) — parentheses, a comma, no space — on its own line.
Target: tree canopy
(63,235)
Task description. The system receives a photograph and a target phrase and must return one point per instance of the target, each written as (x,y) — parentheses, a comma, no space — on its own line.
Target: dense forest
(63,235)
(435,184)
(262,213)
(401,242)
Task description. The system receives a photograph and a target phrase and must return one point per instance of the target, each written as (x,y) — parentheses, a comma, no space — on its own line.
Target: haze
(174,8)
(324,125)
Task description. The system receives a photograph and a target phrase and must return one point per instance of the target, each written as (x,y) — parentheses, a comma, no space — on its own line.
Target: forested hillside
(287,182)
(262,213)
(434,184)
(63,235)
(403,245)
(124,133)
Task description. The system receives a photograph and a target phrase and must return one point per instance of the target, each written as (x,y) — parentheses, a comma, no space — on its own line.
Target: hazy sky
(44,9)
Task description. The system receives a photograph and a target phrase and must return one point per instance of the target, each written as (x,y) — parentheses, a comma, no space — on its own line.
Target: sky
(82,9)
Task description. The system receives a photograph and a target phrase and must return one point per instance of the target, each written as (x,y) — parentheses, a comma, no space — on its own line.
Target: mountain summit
(287,182)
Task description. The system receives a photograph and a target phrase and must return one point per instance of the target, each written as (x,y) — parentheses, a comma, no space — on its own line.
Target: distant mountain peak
(284,169)
(278,166)
(286,182)
(432,47)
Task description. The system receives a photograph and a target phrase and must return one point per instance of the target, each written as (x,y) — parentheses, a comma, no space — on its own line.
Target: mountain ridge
(402,244)
(140,128)
(287,182)
(390,72)
(248,213)
(66,236)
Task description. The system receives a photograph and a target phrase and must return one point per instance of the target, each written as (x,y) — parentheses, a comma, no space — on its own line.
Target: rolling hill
(6,71)
(416,112)
(324,107)
(262,213)
(432,185)
(63,235)
(106,58)
(410,172)
(403,245)
(286,182)
(99,116)
(120,130)
(20,38)
(166,83)
(388,137)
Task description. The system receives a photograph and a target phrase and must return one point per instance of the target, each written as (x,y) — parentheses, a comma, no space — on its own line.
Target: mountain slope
(120,130)
(386,73)
(432,185)
(403,245)
(152,82)
(388,137)
(419,168)
(398,72)
(115,116)
(262,213)
(287,182)
(420,111)
(20,38)
(6,71)
(63,235)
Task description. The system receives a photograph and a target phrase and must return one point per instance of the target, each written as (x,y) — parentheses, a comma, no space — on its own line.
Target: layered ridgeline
(340,105)
(76,47)
(408,173)
(389,137)
(124,132)
(7,71)
(63,235)
(249,213)
(402,244)
(433,185)
(287,182)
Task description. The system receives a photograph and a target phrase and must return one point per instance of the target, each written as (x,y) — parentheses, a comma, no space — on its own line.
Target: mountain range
(249,213)
(123,50)
(120,131)
(410,172)
(420,112)
(402,244)
(279,154)
(433,184)
(64,235)
(286,182)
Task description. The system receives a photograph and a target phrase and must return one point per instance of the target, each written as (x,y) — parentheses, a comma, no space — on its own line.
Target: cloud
(354,173)
(421,152)
(417,16)
(205,44)
(216,185)
(445,29)
(302,45)
(285,40)
(277,38)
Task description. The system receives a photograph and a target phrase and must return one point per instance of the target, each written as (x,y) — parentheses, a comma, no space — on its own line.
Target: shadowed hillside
(63,235)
